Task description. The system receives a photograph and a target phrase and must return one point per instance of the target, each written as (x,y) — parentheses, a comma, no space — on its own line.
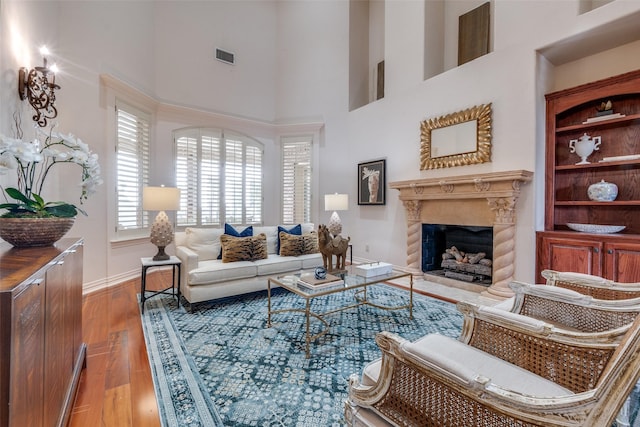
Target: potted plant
(29,220)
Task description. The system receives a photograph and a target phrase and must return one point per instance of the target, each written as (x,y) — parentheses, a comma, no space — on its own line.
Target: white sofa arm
(188,257)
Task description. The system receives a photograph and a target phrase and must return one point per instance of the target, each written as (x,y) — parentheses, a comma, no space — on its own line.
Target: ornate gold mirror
(457,139)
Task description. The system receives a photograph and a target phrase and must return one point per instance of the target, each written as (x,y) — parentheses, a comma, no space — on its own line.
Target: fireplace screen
(458,252)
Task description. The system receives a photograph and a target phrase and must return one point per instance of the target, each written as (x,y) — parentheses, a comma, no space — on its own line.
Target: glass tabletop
(348,279)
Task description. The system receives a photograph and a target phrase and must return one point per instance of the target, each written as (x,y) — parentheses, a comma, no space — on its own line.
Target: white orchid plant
(33,161)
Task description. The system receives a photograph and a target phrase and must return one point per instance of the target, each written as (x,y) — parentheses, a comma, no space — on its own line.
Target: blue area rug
(221,366)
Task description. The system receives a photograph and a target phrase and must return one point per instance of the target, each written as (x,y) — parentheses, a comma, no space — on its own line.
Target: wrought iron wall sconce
(38,85)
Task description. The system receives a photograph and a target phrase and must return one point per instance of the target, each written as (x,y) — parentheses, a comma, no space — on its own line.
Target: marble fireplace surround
(487,200)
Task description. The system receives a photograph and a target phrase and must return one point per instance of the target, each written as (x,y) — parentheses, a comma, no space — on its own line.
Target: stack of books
(310,281)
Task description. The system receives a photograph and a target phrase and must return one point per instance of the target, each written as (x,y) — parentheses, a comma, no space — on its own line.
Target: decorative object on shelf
(320,273)
(603,118)
(620,158)
(161,199)
(372,182)
(33,162)
(330,246)
(335,202)
(604,111)
(584,146)
(603,191)
(596,228)
(605,108)
(457,139)
(38,85)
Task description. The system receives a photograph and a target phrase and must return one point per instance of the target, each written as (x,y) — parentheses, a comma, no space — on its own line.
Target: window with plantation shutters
(220,177)
(296,180)
(132,153)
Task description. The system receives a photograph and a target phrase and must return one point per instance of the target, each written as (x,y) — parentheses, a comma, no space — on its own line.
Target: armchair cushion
(526,322)
(472,365)
(554,292)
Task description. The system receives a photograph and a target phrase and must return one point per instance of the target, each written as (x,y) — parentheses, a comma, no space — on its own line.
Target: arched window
(219,173)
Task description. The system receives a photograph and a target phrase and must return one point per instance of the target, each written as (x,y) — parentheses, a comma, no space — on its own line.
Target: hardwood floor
(116,387)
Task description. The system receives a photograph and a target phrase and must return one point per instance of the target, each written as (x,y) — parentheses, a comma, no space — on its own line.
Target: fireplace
(458,252)
(482,200)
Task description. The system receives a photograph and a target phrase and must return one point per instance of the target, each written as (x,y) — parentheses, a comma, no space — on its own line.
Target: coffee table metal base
(360,297)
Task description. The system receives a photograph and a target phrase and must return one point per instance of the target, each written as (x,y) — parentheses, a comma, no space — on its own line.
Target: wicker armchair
(568,309)
(595,286)
(505,370)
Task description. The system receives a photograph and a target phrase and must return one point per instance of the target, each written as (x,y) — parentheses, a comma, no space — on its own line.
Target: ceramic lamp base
(161,235)
(334,226)
(161,255)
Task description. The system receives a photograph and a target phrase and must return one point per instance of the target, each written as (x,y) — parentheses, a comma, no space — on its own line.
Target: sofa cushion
(204,241)
(277,264)
(292,245)
(272,236)
(215,271)
(243,248)
(296,229)
(311,260)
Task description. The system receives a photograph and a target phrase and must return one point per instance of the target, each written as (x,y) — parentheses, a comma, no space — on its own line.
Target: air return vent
(224,56)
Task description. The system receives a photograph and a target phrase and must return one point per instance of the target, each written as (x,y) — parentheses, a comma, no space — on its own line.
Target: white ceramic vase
(603,191)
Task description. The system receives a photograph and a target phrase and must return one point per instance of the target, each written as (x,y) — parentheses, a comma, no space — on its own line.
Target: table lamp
(335,202)
(161,199)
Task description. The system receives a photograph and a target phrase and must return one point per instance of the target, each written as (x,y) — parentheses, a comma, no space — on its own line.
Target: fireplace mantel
(483,199)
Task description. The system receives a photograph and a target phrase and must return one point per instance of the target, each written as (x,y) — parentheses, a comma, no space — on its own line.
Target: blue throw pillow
(296,229)
(231,231)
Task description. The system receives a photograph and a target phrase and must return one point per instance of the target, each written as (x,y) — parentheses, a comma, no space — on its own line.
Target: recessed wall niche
(585,6)
(366,52)
(452,28)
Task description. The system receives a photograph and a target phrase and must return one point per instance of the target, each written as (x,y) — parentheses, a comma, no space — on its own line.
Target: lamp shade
(336,202)
(160,199)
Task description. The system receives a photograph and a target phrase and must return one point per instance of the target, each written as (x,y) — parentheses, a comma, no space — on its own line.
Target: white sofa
(205,277)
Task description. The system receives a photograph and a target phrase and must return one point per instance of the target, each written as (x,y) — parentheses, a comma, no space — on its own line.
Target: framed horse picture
(372,182)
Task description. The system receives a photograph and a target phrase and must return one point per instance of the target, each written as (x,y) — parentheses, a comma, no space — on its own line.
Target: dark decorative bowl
(27,232)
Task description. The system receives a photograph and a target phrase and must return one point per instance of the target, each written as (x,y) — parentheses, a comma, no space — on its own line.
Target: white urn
(584,146)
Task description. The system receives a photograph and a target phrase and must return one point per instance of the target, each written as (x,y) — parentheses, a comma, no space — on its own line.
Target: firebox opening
(458,252)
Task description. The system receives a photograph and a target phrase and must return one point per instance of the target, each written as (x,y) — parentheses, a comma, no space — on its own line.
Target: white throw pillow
(205,242)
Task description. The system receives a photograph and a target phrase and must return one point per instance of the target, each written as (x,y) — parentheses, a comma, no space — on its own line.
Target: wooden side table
(148,263)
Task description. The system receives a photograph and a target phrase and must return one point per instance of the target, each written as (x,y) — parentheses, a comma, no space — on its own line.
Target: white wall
(292,68)
(187,73)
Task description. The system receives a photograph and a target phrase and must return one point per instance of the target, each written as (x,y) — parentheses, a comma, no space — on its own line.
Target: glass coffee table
(291,282)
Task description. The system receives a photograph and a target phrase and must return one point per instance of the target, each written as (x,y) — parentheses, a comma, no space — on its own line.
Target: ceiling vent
(224,56)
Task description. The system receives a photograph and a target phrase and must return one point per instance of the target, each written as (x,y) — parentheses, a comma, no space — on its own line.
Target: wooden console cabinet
(571,114)
(40,333)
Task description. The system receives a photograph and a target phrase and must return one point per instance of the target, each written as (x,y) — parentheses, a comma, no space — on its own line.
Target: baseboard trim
(98,285)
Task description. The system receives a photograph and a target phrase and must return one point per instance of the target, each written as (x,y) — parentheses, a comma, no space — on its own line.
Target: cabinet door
(579,256)
(73,278)
(27,357)
(58,344)
(622,262)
